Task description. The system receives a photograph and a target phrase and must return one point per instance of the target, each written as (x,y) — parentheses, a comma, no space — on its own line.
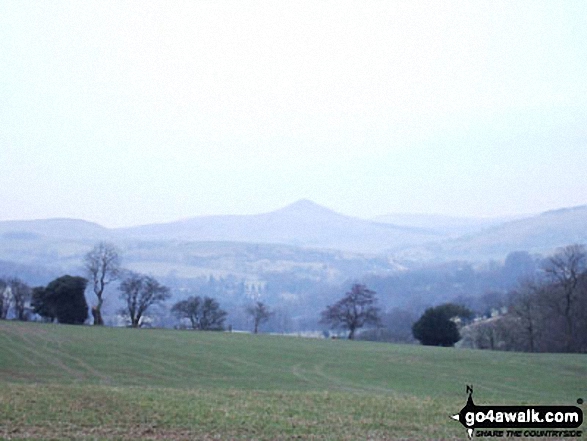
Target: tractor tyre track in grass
(315,375)
(55,356)
(47,356)
(16,351)
(88,383)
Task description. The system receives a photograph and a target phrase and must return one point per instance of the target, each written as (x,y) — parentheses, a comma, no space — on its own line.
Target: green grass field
(67,382)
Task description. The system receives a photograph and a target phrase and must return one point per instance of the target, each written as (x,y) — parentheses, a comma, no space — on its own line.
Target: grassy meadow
(68,382)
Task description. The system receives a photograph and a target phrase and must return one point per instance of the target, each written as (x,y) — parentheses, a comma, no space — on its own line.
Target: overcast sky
(125,113)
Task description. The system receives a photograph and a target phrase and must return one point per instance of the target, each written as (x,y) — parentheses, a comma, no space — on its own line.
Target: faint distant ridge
(61,228)
(577,208)
(452,226)
(303,223)
(307,224)
(541,233)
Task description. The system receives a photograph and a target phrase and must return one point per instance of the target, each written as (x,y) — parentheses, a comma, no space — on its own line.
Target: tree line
(63,299)
(544,313)
(547,312)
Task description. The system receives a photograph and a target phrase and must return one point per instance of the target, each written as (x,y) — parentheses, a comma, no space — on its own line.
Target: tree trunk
(97,314)
(351,333)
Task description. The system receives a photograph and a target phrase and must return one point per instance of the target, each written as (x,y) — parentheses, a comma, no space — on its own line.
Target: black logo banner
(474,417)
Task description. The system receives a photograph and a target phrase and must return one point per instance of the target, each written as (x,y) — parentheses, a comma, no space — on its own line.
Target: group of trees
(63,300)
(139,292)
(204,313)
(545,313)
(436,327)
(14,296)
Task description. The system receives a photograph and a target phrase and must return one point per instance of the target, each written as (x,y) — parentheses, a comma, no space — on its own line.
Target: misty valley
(304,257)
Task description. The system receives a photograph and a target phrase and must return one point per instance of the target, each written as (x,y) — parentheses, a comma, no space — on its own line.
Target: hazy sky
(129,112)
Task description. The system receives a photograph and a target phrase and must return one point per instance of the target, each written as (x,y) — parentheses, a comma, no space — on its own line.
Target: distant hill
(303,223)
(452,226)
(308,225)
(52,228)
(541,234)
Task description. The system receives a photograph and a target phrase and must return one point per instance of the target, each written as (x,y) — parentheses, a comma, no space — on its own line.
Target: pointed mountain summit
(307,207)
(303,223)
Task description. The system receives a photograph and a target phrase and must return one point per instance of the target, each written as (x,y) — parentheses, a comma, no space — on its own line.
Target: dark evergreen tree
(437,326)
(63,299)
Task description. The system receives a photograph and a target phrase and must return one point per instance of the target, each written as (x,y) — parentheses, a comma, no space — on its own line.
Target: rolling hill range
(302,223)
(449,226)
(66,229)
(303,226)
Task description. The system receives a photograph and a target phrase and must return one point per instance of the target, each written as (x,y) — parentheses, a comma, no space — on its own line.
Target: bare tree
(204,313)
(525,307)
(21,295)
(260,313)
(102,265)
(564,270)
(496,333)
(5,299)
(355,310)
(550,313)
(139,293)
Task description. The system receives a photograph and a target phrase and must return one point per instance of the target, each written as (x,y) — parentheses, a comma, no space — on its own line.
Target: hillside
(540,234)
(450,226)
(162,384)
(52,228)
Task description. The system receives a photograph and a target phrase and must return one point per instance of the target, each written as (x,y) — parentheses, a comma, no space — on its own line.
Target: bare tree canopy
(355,310)
(566,271)
(16,294)
(21,296)
(204,313)
(102,265)
(4,299)
(525,307)
(544,314)
(260,313)
(139,293)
